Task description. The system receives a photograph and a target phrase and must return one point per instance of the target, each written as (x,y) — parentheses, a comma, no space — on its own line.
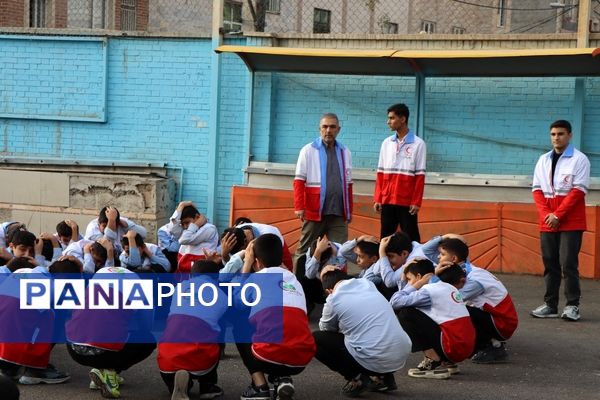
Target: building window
(128,15)
(595,25)
(427,26)
(457,30)
(232,16)
(389,27)
(501,13)
(322,21)
(273,6)
(37,13)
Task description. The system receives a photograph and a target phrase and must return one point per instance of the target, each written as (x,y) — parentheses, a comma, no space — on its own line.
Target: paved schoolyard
(549,359)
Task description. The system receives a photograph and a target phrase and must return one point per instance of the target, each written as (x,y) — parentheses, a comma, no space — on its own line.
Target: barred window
(37,13)
(427,26)
(273,6)
(457,30)
(389,27)
(322,21)
(128,15)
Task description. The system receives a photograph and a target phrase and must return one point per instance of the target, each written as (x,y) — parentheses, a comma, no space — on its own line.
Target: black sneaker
(383,383)
(353,388)
(490,355)
(210,391)
(49,375)
(256,393)
(284,388)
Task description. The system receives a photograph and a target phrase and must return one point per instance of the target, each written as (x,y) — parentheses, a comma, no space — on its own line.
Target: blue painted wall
(158,110)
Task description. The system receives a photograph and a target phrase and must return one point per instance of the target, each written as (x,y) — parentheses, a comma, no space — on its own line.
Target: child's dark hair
(268,249)
(326,255)
(47,249)
(398,243)
(64,230)
(205,267)
(369,248)
(18,263)
(242,220)
(12,229)
(330,278)
(139,241)
(24,238)
(64,267)
(452,275)
(421,266)
(103,219)
(189,212)
(455,247)
(99,251)
(240,238)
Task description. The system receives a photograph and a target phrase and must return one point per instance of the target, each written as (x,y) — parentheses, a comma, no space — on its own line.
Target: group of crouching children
(407,297)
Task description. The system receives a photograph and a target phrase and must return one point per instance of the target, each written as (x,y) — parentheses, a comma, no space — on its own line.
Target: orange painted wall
(502,237)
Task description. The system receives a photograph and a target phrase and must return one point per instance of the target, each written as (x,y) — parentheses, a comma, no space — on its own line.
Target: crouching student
(67,232)
(435,318)
(280,361)
(195,234)
(360,337)
(139,256)
(27,361)
(491,308)
(112,226)
(189,348)
(91,255)
(322,252)
(109,340)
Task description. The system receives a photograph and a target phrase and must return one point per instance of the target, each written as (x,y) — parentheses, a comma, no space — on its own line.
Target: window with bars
(232,16)
(389,27)
(501,13)
(427,26)
(322,21)
(457,30)
(37,13)
(128,15)
(273,6)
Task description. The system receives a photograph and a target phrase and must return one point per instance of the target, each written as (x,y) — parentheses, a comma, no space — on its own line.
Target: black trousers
(128,356)
(392,216)
(211,377)
(560,254)
(332,352)
(253,364)
(424,332)
(485,329)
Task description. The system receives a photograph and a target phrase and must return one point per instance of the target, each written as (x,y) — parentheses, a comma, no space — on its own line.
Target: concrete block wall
(298,101)
(158,110)
(52,78)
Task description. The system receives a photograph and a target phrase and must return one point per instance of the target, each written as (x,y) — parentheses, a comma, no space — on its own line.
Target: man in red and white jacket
(323,187)
(560,183)
(400,176)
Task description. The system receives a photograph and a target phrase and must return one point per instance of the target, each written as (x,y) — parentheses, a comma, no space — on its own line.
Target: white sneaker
(544,311)
(570,313)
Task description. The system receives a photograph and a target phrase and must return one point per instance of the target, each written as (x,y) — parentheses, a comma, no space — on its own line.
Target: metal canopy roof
(431,63)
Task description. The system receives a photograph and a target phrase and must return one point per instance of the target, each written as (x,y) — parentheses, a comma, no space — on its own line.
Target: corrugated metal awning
(431,63)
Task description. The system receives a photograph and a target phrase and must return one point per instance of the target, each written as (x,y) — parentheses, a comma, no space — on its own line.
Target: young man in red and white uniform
(560,183)
(400,176)
(323,187)
(435,318)
(297,347)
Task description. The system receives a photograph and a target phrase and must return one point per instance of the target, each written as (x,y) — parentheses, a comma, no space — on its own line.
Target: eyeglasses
(328,126)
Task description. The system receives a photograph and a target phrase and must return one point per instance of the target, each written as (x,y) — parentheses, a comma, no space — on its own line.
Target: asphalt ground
(549,359)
